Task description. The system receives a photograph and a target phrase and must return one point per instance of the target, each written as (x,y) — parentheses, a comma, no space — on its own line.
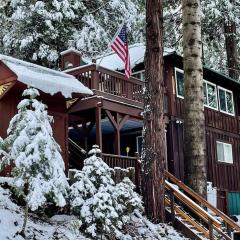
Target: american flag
(120,46)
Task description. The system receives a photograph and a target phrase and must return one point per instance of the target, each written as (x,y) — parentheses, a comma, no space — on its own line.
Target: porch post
(85,135)
(98,127)
(117,124)
(117,142)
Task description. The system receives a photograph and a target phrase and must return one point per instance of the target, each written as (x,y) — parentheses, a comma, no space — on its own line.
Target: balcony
(110,84)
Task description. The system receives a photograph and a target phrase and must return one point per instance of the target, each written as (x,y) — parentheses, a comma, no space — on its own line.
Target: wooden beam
(86,131)
(112,120)
(84,104)
(98,114)
(117,142)
(131,110)
(123,121)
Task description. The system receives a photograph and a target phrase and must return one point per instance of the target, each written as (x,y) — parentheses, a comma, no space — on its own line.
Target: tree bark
(153,157)
(194,122)
(231,49)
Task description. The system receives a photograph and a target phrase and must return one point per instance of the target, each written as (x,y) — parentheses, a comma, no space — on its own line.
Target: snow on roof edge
(19,61)
(110,60)
(70,50)
(45,79)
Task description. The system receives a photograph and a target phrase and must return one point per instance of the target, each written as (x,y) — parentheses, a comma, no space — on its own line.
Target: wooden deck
(113,83)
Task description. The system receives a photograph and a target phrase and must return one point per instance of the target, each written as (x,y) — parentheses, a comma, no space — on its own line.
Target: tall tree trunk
(194,123)
(231,49)
(154,127)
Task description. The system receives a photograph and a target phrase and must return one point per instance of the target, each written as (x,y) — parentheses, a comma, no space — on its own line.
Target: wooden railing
(198,204)
(124,162)
(111,82)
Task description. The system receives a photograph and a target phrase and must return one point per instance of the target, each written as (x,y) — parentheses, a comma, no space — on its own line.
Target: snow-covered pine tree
(40,30)
(128,200)
(39,168)
(101,206)
(216,15)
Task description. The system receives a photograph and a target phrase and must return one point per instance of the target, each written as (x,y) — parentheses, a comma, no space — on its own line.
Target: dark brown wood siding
(224,176)
(56,108)
(219,127)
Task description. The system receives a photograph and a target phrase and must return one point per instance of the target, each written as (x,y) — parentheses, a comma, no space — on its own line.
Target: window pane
(222,101)
(220,152)
(205,92)
(229,102)
(212,96)
(180,84)
(137,75)
(143,76)
(228,153)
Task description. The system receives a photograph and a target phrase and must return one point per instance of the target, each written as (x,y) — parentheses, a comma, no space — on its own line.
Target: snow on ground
(59,226)
(11,220)
(237,219)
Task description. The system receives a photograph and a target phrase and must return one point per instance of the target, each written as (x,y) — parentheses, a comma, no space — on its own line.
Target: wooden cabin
(55,87)
(112,118)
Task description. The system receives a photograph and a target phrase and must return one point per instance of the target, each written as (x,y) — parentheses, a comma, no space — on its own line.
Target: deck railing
(124,162)
(111,82)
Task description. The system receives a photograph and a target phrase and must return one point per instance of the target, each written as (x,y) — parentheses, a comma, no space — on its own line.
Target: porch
(78,154)
(110,84)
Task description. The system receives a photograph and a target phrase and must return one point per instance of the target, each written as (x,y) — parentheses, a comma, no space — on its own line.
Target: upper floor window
(224,152)
(210,95)
(179,76)
(226,103)
(140,75)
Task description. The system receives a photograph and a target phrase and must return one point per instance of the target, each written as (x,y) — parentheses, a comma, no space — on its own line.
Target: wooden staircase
(187,210)
(76,155)
(192,214)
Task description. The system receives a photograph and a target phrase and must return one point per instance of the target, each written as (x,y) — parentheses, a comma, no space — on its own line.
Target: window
(224,152)
(139,144)
(140,75)
(210,95)
(179,82)
(226,100)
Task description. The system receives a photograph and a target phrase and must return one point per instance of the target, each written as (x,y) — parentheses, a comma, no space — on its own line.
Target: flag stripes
(120,46)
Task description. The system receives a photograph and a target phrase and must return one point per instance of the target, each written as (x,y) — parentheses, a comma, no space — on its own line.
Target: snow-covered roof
(71,50)
(136,52)
(45,79)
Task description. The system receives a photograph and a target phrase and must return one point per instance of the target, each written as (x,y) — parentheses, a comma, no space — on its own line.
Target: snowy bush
(102,206)
(128,200)
(39,167)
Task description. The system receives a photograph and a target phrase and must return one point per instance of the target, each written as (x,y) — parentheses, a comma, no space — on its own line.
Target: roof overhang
(48,81)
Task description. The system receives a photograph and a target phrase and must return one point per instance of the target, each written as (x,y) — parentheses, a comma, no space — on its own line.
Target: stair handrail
(178,210)
(202,213)
(77,146)
(202,201)
(213,223)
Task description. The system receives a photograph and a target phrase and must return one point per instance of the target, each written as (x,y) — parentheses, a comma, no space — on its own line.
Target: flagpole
(105,52)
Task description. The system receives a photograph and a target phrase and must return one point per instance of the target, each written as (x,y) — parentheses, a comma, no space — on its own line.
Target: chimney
(70,58)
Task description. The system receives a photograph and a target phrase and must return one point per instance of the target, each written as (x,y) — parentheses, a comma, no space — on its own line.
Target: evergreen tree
(39,168)
(39,30)
(153,155)
(195,162)
(101,206)
(220,37)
